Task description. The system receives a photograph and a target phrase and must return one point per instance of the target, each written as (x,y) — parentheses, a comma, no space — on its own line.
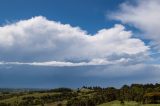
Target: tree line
(144,94)
(88,96)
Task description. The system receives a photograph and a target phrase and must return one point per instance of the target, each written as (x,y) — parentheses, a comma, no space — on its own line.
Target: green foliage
(85,96)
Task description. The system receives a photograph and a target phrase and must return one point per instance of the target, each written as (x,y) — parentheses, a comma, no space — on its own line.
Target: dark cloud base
(23,76)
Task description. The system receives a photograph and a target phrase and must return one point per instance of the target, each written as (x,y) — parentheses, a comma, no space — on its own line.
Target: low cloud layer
(93,62)
(116,75)
(144,15)
(39,39)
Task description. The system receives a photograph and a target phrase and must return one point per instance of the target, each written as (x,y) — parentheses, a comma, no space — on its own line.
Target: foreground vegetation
(133,95)
(127,103)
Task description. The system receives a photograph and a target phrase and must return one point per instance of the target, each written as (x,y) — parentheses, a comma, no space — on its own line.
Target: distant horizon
(77,87)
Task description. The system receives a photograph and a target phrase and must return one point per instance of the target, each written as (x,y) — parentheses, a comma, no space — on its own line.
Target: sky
(59,43)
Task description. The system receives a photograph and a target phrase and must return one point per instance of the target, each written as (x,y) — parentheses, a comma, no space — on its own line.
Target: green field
(113,103)
(19,98)
(80,97)
(47,98)
(132,103)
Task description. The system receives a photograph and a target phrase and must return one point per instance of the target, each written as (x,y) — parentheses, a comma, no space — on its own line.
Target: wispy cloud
(93,62)
(143,15)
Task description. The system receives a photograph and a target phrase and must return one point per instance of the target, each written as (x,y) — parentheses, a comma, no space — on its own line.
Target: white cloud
(39,39)
(93,62)
(144,15)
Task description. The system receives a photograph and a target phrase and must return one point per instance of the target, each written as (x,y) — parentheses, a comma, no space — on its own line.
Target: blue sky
(59,43)
(88,14)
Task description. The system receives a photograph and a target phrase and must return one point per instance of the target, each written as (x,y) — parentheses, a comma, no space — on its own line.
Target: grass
(56,103)
(82,94)
(19,98)
(131,103)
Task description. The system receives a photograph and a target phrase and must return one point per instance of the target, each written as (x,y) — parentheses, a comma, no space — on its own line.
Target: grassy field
(117,103)
(19,98)
(51,98)
(113,103)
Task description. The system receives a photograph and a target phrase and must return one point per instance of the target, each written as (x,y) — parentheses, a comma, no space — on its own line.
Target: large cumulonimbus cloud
(144,15)
(39,39)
